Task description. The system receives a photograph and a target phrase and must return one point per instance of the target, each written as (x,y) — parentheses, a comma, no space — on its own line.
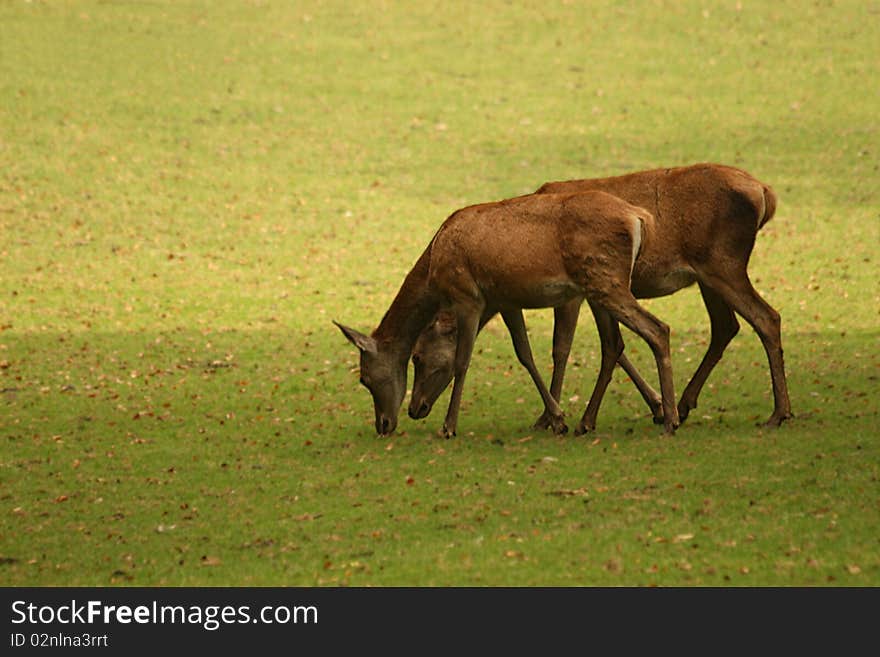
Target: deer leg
(652,397)
(564,324)
(724,328)
(625,309)
(517,327)
(745,300)
(468,326)
(612,348)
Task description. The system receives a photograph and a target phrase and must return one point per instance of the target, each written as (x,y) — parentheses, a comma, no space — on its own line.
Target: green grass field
(191,191)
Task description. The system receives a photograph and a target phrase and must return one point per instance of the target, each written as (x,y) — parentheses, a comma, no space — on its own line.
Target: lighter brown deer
(536,251)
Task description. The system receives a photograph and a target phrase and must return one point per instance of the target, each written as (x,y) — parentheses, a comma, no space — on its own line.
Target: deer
(534,251)
(706,219)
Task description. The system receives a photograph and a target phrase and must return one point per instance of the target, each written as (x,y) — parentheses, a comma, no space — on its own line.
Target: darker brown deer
(706,218)
(535,251)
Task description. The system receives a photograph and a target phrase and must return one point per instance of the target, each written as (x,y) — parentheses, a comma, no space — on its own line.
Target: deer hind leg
(612,348)
(652,397)
(745,300)
(625,309)
(564,325)
(724,328)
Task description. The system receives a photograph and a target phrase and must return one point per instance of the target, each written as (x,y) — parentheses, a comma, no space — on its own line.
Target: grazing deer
(535,251)
(706,218)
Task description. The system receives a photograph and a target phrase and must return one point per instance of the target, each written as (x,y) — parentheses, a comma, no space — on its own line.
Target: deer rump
(705,219)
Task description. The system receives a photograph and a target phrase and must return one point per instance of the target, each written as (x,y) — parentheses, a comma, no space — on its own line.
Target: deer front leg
(612,347)
(468,326)
(517,327)
(565,320)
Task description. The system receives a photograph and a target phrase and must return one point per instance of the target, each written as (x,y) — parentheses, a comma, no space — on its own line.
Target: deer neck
(410,312)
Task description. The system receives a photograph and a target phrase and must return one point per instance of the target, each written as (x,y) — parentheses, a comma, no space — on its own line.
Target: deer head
(434,362)
(383,373)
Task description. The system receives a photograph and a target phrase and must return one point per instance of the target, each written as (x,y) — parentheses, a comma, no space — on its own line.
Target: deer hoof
(446,433)
(670,427)
(560,428)
(556,424)
(776,420)
(684,410)
(582,429)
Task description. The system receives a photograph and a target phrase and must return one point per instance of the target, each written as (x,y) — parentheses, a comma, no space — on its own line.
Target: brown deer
(706,218)
(536,251)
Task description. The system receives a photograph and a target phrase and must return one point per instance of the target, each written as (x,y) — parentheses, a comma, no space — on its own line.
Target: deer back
(532,251)
(701,212)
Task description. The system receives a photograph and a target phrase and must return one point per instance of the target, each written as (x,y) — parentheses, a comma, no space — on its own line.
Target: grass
(190,191)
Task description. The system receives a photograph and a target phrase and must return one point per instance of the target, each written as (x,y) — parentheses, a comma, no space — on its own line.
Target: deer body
(705,220)
(537,251)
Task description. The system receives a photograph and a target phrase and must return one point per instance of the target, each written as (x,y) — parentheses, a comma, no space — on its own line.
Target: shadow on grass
(244,457)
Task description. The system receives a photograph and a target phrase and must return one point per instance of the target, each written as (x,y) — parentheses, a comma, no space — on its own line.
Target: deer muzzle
(419,410)
(385,425)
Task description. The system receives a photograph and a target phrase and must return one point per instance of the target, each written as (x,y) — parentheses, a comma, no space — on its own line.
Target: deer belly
(547,294)
(646,287)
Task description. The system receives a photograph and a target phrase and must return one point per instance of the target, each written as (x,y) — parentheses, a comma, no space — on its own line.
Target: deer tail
(643,217)
(769,206)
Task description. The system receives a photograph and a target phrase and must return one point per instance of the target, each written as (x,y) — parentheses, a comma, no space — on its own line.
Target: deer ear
(447,324)
(358,339)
